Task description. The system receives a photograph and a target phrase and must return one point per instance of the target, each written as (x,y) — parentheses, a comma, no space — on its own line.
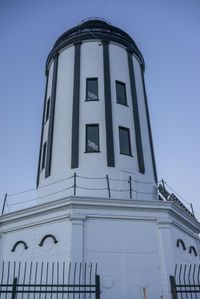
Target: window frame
(44,153)
(129,142)
(86,93)
(86,137)
(124,85)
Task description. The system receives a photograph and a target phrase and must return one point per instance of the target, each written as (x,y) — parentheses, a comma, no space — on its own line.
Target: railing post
(130,185)
(192,209)
(74,183)
(173,287)
(14,288)
(4,203)
(97,284)
(108,185)
(164,190)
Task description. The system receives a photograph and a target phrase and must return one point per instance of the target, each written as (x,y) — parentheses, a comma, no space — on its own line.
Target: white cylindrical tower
(96,137)
(97,182)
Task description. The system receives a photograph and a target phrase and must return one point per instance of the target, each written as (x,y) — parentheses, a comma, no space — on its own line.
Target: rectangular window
(44,155)
(121,93)
(47,110)
(92,138)
(92,89)
(124,141)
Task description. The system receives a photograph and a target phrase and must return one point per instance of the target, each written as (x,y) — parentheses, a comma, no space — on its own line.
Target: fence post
(14,288)
(108,185)
(74,183)
(97,284)
(173,287)
(4,203)
(130,184)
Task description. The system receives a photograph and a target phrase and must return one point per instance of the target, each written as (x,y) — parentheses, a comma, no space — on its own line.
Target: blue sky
(166,32)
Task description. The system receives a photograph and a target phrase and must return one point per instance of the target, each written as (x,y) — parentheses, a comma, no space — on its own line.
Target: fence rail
(73,289)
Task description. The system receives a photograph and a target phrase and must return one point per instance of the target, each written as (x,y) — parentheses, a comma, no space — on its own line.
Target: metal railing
(55,280)
(170,196)
(77,185)
(185,283)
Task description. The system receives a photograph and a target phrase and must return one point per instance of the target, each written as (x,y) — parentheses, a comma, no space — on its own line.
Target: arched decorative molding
(192,249)
(178,242)
(17,243)
(48,236)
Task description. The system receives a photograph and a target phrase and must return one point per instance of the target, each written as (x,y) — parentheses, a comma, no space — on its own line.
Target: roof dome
(99,29)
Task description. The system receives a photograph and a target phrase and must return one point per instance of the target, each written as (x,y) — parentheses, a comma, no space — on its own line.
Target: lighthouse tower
(96,122)
(97,200)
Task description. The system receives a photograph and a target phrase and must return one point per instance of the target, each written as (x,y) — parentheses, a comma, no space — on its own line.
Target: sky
(167,34)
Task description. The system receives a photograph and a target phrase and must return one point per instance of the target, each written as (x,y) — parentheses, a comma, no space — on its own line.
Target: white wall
(122,115)
(127,252)
(92,112)
(143,121)
(94,165)
(61,150)
(46,125)
(133,242)
(181,255)
(32,236)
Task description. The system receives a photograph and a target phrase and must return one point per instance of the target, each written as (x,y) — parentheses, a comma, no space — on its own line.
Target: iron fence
(55,280)
(185,283)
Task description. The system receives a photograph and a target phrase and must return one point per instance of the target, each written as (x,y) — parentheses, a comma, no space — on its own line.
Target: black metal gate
(34,280)
(185,283)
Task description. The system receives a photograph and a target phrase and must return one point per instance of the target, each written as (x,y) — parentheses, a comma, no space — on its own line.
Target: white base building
(133,242)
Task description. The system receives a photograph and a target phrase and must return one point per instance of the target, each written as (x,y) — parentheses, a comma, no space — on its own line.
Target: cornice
(65,208)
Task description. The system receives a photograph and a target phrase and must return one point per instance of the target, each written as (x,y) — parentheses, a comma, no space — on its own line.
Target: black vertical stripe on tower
(149,129)
(51,118)
(108,106)
(75,110)
(136,114)
(42,130)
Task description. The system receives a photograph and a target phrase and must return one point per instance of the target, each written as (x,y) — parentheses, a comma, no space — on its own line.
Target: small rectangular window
(47,110)
(121,93)
(44,155)
(124,141)
(92,138)
(91,89)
